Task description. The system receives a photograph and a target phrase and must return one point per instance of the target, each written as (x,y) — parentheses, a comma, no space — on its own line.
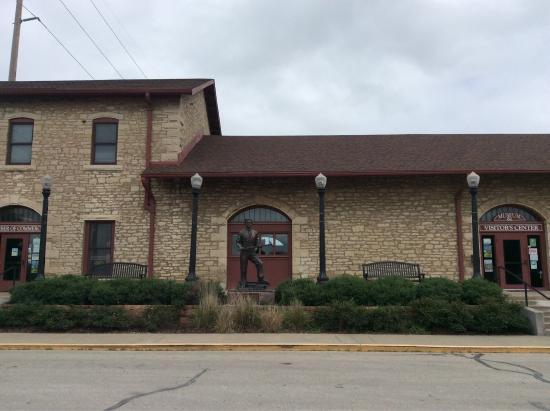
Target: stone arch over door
(275,228)
(513,246)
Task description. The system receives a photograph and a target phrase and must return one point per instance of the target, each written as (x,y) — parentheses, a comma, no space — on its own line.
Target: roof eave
(374,173)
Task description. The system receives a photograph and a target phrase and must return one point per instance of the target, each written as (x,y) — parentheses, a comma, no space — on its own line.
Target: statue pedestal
(262,297)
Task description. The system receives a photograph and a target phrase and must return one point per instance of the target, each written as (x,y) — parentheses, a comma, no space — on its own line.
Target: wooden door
(276,254)
(512,255)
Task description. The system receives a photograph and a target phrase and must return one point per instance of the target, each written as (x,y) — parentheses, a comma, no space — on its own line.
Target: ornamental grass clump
(246,315)
(271,318)
(205,316)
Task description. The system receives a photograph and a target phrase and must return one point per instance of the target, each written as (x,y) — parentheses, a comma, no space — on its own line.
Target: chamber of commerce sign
(500,227)
(19,228)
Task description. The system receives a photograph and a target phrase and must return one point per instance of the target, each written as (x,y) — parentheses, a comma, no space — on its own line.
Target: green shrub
(67,289)
(296,318)
(392,319)
(104,318)
(55,318)
(440,315)
(303,289)
(346,287)
(497,318)
(341,316)
(79,290)
(390,291)
(440,289)
(161,317)
(18,315)
(477,291)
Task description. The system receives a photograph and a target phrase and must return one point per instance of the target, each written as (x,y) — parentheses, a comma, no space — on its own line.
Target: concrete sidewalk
(275,342)
(4,297)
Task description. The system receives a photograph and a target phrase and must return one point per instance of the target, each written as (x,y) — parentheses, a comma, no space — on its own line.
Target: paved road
(80,380)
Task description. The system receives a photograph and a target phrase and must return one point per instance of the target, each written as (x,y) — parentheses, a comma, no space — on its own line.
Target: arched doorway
(276,253)
(513,238)
(19,245)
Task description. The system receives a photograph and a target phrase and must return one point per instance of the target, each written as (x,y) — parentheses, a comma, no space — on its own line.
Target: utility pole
(15,40)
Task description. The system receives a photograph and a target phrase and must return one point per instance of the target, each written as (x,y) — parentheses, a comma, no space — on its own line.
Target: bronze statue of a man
(248,242)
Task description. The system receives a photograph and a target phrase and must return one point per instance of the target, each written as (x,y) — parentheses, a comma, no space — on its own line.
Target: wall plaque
(512,227)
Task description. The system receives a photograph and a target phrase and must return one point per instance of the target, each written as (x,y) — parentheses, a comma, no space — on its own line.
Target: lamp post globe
(473,182)
(196,184)
(321,184)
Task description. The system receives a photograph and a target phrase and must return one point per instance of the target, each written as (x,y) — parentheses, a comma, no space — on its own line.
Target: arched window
(260,215)
(508,214)
(18,214)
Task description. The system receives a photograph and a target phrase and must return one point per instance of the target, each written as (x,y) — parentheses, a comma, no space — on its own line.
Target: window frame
(87,233)
(104,120)
(14,122)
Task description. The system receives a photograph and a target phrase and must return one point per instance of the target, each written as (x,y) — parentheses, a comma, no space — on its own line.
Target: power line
(91,39)
(119,40)
(60,43)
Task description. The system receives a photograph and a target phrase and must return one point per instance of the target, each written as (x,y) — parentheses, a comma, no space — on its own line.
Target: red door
(275,254)
(513,256)
(13,260)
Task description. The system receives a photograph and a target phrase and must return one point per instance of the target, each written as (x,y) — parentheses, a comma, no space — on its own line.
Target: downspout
(149,139)
(150,203)
(459,237)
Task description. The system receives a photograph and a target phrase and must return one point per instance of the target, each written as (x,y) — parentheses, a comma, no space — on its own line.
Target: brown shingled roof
(163,86)
(363,155)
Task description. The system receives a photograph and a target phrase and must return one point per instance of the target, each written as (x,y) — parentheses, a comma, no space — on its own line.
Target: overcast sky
(315,66)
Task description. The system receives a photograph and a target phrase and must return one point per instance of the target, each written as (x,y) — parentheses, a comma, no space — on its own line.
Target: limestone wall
(62,148)
(367,219)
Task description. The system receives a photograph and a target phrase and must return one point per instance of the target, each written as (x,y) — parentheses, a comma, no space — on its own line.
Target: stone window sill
(103,167)
(18,167)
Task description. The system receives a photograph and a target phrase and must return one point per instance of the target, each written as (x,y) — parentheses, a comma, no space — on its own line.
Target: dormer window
(104,141)
(20,141)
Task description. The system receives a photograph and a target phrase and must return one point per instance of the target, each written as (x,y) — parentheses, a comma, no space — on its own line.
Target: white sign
(537,227)
(14,252)
(19,228)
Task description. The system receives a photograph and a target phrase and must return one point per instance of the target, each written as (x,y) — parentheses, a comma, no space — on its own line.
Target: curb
(280,347)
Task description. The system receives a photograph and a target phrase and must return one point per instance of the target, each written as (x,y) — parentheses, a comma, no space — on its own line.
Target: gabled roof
(120,87)
(362,155)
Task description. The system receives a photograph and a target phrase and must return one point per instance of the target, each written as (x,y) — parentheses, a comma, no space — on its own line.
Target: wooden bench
(118,270)
(392,269)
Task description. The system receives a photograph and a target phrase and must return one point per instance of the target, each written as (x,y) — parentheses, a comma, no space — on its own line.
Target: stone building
(121,153)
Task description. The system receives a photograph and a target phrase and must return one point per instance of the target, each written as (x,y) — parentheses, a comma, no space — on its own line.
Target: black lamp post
(196,183)
(46,190)
(321,183)
(473,183)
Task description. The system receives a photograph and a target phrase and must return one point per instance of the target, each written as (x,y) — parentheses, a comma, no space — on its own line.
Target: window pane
(281,244)
(21,133)
(105,154)
(18,214)
(267,243)
(20,154)
(105,133)
(100,235)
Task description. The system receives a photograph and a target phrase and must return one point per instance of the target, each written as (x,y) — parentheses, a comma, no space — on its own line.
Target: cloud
(320,66)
